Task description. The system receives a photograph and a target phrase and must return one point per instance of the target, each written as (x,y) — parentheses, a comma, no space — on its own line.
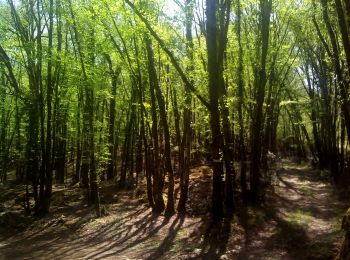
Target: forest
(174,129)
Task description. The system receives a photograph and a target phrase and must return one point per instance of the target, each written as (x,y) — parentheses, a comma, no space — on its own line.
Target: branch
(179,4)
(322,39)
(170,55)
(6,60)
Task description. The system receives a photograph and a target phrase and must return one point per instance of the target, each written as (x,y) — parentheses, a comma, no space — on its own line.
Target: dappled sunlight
(295,219)
(174,129)
(299,217)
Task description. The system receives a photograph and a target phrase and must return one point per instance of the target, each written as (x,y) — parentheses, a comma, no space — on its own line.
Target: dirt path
(300,220)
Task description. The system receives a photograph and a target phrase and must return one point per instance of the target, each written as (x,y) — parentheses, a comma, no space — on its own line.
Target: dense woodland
(136,92)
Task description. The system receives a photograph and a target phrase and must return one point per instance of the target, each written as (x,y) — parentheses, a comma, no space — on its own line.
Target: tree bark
(213,86)
(111,123)
(240,103)
(157,176)
(260,83)
(164,121)
(185,146)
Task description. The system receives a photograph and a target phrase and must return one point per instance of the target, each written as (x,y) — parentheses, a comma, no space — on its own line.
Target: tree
(260,80)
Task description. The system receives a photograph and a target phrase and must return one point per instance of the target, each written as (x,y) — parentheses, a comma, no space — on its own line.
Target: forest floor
(299,220)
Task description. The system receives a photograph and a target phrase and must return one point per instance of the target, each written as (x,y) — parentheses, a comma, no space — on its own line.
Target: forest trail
(300,220)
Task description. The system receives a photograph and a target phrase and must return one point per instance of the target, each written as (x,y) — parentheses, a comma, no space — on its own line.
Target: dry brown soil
(299,220)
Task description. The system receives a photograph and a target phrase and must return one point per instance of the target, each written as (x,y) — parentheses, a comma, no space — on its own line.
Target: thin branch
(170,54)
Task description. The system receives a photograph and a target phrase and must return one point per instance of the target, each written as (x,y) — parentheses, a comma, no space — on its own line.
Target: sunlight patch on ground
(301,211)
(297,167)
(306,190)
(300,217)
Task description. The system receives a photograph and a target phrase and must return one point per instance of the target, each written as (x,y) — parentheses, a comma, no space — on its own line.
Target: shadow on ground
(299,220)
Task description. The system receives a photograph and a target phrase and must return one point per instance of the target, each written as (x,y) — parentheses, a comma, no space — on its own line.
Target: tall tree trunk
(213,86)
(240,103)
(344,29)
(49,91)
(157,176)
(78,171)
(228,146)
(164,121)
(88,164)
(260,83)
(111,123)
(147,152)
(185,146)
(179,158)
(336,61)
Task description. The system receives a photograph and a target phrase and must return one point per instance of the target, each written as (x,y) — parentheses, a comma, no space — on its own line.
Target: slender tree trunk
(336,62)
(78,171)
(177,132)
(157,176)
(147,153)
(32,106)
(127,147)
(213,73)
(260,82)
(185,146)
(342,144)
(164,121)
(240,103)
(50,83)
(88,165)
(111,131)
(228,146)
(344,29)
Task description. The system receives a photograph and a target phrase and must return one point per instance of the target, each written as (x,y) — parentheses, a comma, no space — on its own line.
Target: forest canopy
(139,91)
